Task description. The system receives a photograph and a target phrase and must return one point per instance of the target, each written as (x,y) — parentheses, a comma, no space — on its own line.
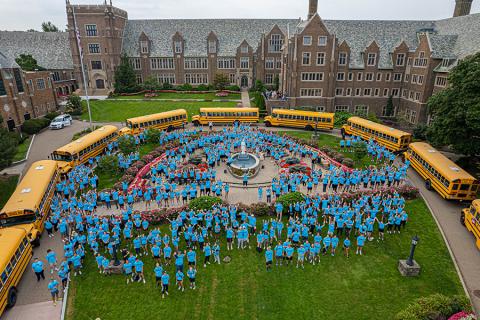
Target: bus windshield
(62,157)
(13,221)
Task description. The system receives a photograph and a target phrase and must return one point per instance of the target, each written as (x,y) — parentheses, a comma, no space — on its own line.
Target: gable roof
(6,62)
(467,31)
(50,49)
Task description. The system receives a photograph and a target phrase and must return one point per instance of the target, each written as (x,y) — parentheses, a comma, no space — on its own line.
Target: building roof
(7,62)
(50,49)
(230,34)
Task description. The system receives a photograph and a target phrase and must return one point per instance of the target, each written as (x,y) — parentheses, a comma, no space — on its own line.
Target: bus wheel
(169,129)
(428,185)
(309,128)
(268,124)
(196,123)
(12,297)
(462,219)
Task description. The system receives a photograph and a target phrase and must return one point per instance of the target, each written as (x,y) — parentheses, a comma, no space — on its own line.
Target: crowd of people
(323,223)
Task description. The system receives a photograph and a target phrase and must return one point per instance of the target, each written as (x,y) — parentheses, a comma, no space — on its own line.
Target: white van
(61,121)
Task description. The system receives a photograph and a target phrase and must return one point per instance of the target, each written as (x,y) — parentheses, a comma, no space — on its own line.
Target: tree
(126,144)
(221,81)
(28,63)
(456,110)
(150,84)
(8,147)
(74,104)
(32,30)
(259,86)
(389,108)
(49,27)
(125,79)
(276,83)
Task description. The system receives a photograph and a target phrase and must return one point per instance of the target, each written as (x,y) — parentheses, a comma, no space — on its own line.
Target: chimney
(313,8)
(462,7)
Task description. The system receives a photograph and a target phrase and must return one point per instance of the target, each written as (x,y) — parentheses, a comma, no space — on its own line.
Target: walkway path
(245,99)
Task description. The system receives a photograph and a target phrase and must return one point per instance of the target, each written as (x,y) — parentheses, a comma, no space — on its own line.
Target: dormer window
(144,46)
(212,46)
(445,63)
(372,59)
(178,47)
(244,49)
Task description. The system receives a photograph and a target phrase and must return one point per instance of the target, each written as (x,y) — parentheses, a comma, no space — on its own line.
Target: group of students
(314,227)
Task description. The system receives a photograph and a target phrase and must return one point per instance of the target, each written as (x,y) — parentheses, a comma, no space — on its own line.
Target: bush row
(185,88)
(435,307)
(33,126)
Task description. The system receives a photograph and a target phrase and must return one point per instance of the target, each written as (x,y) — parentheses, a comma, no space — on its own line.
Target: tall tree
(221,81)
(125,79)
(49,27)
(456,110)
(28,63)
(389,108)
(8,147)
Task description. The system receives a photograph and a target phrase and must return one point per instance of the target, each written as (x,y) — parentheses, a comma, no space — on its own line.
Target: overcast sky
(27,14)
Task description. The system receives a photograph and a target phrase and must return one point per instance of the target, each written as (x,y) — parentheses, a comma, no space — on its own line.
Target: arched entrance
(11,124)
(244,81)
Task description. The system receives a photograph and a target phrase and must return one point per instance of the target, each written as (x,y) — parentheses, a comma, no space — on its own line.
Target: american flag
(77,34)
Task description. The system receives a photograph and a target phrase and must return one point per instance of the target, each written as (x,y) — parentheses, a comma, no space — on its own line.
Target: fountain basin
(244,163)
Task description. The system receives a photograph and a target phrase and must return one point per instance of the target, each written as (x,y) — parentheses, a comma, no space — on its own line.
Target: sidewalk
(246,99)
(36,311)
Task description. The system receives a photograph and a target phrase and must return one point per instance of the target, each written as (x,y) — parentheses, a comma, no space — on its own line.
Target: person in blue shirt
(289,254)
(165,282)
(138,264)
(360,243)
(167,254)
(51,260)
(53,288)
(191,273)
(192,257)
(334,244)
(268,258)
(179,276)
(128,270)
(245,180)
(301,256)
(346,247)
(208,252)
(37,267)
(158,270)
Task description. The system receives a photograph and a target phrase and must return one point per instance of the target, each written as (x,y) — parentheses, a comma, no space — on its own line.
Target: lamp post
(415,240)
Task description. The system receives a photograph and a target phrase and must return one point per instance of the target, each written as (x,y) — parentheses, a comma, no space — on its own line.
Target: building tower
(462,7)
(313,8)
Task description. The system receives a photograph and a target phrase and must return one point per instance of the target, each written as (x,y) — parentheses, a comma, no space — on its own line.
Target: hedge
(204,203)
(290,198)
(33,126)
(435,307)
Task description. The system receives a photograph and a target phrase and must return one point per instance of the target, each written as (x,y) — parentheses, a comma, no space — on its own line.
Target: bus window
(464,187)
(455,186)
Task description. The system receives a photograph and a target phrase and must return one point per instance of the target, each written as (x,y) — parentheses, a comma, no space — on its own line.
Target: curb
(28,153)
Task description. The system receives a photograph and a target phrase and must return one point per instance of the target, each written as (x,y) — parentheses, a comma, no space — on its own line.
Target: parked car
(61,121)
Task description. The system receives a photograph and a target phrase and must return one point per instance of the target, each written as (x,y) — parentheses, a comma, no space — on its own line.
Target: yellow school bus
(226,115)
(391,138)
(14,259)
(84,148)
(168,120)
(29,205)
(440,173)
(470,218)
(308,120)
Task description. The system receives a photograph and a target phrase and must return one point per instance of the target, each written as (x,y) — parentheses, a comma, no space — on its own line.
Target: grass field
(180,95)
(362,287)
(22,150)
(119,111)
(7,186)
(330,141)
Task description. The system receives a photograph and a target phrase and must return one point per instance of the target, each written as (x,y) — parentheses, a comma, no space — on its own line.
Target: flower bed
(173,91)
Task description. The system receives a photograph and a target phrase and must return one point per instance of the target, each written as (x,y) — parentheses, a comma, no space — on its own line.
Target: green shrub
(341,118)
(167,86)
(420,132)
(126,144)
(261,209)
(185,87)
(259,101)
(152,135)
(108,164)
(233,88)
(436,306)
(34,126)
(52,115)
(290,198)
(202,87)
(204,203)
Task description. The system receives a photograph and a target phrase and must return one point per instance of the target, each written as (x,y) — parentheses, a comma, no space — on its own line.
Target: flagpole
(80,51)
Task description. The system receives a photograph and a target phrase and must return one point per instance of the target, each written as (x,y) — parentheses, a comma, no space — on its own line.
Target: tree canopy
(8,147)
(456,110)
(125,79)
(221,81)
(49,27)
(28,63)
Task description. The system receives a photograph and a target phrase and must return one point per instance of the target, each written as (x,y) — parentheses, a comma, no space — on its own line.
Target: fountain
(244,162)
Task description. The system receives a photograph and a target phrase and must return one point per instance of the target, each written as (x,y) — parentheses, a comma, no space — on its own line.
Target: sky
(29,14)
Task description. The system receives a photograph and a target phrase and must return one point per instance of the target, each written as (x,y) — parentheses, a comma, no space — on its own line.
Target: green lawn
(7,186)
(362,287)
(333,142)
(118,111)
(22,150)
(180,95)
(107,181)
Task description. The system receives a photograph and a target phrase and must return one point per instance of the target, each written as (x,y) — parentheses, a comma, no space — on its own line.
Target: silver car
(61,121)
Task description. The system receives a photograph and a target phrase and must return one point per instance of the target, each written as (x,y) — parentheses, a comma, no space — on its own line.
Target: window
(226,63)
(414,78)
(306,58)
(100,84)
(96,65)
(406,78)
(361,110)
(348,92)
(441,81)
(139,79)
(3,91)
(312,76)
(144,46)
(244,49)
(161,63)
(367,92)
(307,40)
(178,46)
(350,76)
(18,80)
(371,59)
(395,92)
(166,78)
(400,60)
(379,76)
(342,59)
(196,78)
(232,77)
(359,76)
(93,48)
(387,76)
(91,30)
(56,76)
(405,93)
(196,63)
(377,92)
(420,79)
(311,92)
(320,58)
(275,43)
(420,61)
(385,112)
(135,62)
(368,76)
(268,78)
(418,96)
(278,63)
(322,41)
(212,46)
(340,76)
(244,62)
(339,91)
(341,108)
(269,63)
(40,84)
(397,77)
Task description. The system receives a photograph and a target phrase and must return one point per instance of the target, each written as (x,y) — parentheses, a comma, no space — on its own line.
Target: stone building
(330,65)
